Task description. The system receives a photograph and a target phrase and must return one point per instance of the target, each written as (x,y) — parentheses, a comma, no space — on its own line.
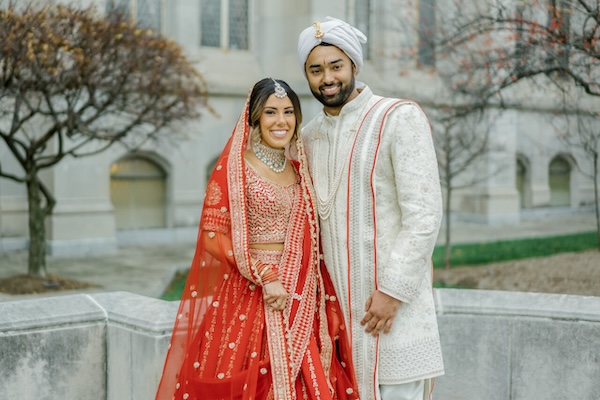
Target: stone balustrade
(111,346)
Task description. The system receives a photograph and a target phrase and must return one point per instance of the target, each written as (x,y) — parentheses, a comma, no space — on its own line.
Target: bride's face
(277,122)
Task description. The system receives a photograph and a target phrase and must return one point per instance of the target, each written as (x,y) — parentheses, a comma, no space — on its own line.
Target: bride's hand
(275,295)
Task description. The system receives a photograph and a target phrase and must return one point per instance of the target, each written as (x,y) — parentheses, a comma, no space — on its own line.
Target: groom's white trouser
(405,391)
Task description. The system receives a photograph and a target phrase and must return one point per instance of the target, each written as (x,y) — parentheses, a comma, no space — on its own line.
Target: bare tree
(461,119)
(497,44)
(74,82)
(585,136)
(462,141)
(546,45)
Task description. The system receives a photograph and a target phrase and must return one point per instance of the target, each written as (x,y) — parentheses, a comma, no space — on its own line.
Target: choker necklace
(274,158)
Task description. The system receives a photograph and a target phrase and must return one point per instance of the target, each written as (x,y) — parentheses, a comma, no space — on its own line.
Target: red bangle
(265,272)
(270,276)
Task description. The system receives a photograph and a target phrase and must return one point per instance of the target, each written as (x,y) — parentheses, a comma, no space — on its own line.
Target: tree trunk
(596,199)
(37,227)
(448,245)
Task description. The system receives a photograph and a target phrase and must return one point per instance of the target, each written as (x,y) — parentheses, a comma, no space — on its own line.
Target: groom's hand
(381,309)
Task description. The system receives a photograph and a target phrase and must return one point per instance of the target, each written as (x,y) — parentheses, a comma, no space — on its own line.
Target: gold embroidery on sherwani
(362,198)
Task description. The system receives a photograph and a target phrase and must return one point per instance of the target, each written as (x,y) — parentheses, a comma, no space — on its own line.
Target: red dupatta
(222,246)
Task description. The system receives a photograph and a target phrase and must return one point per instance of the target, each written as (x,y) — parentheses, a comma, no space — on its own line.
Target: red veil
(226,343)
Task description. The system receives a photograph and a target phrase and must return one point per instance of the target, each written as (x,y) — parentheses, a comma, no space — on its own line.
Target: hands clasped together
(380,310)
(275,295)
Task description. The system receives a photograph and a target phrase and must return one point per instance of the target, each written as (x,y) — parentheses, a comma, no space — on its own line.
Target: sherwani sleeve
(419,201)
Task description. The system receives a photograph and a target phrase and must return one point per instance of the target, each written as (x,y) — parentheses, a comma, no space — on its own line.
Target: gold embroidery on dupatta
(288,335)
(237,199)
(215,220)
(213,193)
(309,193)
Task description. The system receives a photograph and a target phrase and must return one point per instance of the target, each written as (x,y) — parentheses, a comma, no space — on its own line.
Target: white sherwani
(379,199)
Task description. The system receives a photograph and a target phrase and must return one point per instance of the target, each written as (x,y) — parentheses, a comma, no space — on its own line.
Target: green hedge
(175,288)
(474,254)
(506,250)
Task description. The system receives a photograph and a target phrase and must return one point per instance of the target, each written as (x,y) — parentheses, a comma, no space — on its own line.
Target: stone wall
(516,345)
(111,346)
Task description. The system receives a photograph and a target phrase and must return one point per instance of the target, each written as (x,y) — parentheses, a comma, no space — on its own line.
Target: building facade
(118,198)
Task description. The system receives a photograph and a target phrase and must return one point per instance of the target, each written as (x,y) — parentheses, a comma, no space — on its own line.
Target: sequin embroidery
(269,208)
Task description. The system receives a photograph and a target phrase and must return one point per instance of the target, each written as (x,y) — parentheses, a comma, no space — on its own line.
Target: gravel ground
(567,273)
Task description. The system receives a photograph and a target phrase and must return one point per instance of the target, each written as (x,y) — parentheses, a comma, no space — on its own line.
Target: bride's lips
(279,134)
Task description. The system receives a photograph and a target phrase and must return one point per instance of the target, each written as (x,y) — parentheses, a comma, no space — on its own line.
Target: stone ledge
(524,304)
(138,312)
(111,346)
(36,313)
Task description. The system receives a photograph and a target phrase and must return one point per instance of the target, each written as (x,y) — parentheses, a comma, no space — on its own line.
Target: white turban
(335,32)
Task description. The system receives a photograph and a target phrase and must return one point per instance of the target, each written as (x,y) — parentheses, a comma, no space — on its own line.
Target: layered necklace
(334,177)
(274,158)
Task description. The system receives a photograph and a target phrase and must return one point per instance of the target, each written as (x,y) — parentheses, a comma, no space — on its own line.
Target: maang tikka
(279,90)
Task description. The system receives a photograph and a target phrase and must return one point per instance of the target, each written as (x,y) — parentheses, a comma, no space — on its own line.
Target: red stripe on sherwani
(388,107)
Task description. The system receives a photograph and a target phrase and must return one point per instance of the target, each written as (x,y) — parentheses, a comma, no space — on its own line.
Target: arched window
(560,182)
(138,193)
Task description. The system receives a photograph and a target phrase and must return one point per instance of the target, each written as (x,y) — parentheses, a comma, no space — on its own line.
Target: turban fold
(335,32)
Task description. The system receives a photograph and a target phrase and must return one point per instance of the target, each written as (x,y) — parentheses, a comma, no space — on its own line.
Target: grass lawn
(507,250)
(175,288)
(474,254)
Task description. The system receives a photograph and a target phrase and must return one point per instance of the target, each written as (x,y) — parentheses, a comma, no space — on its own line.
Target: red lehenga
(226,343)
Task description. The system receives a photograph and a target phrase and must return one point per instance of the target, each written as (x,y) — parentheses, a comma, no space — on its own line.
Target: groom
(379,200)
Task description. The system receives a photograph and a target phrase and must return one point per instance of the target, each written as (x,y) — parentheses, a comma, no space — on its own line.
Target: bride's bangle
(267,273)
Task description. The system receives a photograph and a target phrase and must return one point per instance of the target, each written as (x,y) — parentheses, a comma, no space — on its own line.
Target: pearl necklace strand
(325,204)
(274,158)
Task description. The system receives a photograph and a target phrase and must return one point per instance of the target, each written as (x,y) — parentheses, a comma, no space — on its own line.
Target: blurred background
(511,88)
